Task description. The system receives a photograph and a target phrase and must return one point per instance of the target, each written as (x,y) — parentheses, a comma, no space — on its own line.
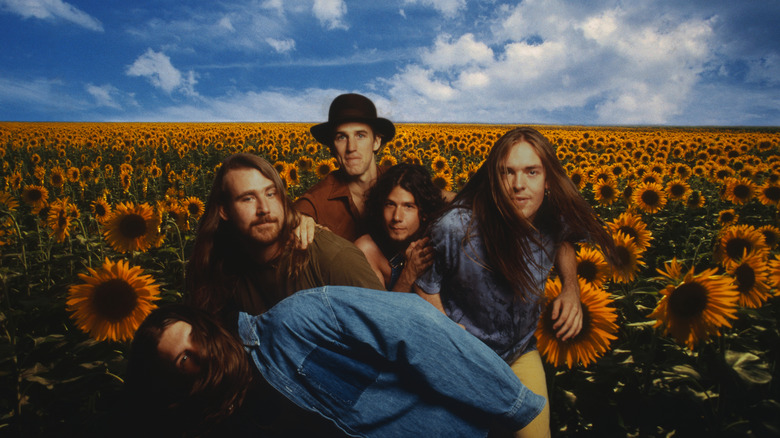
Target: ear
(223,214)
(377,142)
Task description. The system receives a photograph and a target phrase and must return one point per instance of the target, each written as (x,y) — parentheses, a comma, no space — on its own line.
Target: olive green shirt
(332,261)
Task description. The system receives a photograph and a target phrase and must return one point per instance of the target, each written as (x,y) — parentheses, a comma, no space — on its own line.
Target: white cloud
(448,8)
(157,68)
(536,62)
(103,95)
(331,13)
(52,10)
(281,46)
(464,51)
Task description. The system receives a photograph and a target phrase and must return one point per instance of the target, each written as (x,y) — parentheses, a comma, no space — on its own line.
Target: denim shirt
(474,295)
(384,364)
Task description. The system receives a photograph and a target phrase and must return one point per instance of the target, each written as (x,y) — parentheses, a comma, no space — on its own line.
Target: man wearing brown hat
(354,134)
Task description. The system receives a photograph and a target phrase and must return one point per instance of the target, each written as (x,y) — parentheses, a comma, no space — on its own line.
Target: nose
(518,182)
(397,214)
(262,207)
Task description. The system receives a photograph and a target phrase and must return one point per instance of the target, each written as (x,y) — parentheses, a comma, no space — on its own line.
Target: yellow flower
(774,272)
(132,227)
(678,190)
(35,196)
(324,167)
(727,217)
(696,307)
(628,258)
(695,200)
(769,194)
(598,328)
(60,218)
(591,266)
(8,202)
(650,197)
(605,192)
(113,300)
(74,175)
(632,225)
(57,176)
(387,161)
(739,241)
(442,180)
(739,190)
(751,277)
(101,210)
(194,206)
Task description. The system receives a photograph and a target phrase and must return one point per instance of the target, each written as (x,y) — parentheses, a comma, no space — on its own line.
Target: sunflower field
(680,337)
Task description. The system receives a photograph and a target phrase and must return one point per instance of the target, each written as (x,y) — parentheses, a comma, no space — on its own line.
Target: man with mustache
(246,255)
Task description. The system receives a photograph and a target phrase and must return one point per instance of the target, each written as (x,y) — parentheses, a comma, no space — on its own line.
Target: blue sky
(601,62)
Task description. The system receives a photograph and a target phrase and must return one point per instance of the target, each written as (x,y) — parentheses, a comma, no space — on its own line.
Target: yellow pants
(529,369)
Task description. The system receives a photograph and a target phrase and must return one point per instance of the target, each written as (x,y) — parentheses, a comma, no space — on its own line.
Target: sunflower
(739,190)
(695,200)
(387,161)
(591,266)
(15,181)
(442,180)
(74,174)
(628,258)
(605,192)
(727,217)
(751,277)
(440,164)
(769,194)
(774,272)
(60,218)
(113,300)
(35,196)
(132,227)
(678,190)
(739,241)
(324,167)
(304,163)
(155,171)
(771,235)
(598,328)
(177,213)
(7,202)
(652,177)
(577,176)
(194,206)
(695,307)
(632,225)
(650,197)
(101,210)
(126,178)
(57,176)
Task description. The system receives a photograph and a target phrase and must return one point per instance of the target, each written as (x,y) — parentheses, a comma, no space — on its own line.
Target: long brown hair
(187,404)
(218,245)
(564,213)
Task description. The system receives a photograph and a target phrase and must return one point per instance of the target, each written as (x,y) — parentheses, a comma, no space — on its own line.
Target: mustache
(264,220)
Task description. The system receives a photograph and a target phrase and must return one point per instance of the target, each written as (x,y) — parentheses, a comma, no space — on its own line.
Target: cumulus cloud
(52,10)
(104,95)
(156,67)
(331,13)
(281,46)
(533,63)
(448,8)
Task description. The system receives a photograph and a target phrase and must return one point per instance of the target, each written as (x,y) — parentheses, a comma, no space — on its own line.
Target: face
(402,217)
(176,348)
(254,205)
(355,144)
(525,178)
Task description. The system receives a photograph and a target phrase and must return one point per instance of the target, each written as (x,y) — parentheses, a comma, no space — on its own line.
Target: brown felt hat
(352,108)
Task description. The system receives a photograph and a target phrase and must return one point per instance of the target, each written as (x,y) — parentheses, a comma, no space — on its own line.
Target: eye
(270,194)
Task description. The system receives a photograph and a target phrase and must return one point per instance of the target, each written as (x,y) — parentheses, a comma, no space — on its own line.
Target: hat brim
(323,132)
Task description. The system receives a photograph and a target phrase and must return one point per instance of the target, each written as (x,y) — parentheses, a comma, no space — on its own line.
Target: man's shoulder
(328,242)
(326,188)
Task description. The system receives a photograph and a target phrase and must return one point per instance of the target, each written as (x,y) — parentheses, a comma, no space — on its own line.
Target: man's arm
(567,308)
(419,257)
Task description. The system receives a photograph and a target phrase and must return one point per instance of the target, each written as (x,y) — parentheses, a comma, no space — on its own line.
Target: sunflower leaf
(749,367)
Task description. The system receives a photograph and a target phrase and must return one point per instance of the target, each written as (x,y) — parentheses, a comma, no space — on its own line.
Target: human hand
(567,311)
(419,257)
(304,232)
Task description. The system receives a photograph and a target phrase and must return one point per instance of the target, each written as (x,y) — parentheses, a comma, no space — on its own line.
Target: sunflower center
(587,270)
(607,192)
(576,178)
(132,226)
(746,278)
(650,197)
(34,195)
(629,231)
(622,256)
(193,208)
(677,190)
(736,247)
(742,191)
(586,323)
(772,193)
(114,299)
(688,300)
